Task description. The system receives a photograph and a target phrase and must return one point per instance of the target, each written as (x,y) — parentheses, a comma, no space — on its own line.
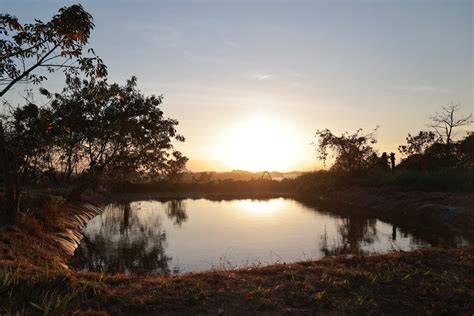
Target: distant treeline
(218,186)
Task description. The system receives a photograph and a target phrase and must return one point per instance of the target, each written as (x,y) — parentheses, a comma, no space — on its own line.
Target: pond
(191,235)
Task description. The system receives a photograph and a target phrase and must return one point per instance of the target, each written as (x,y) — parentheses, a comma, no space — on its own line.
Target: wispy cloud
(163,35)
(261,76)
(428,88)
(421,88)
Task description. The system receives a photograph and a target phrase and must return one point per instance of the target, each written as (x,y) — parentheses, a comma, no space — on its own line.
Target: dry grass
(430,281)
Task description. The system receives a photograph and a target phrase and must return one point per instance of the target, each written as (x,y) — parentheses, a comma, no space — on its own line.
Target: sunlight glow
(259,144)
(260,207)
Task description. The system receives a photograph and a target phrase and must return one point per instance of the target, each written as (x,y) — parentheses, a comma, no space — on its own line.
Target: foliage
(417,145)
(94,128)
(465,151)
(27,48)
(438,149)
(439,180)
(425,152)
(353,153)
(56,44)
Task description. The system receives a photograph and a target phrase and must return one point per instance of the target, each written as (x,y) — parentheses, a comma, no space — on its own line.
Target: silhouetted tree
(25,49)
(437,149)
(100,129)
(466,151)
(29,135)
(417,145)
(443,123)
(352,152)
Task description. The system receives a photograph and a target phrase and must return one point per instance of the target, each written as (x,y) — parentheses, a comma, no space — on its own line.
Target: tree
(443,123)
(26,48)
(29,135)
(101,129)
(352,152)
(437,148)
(466,151)
(418,144)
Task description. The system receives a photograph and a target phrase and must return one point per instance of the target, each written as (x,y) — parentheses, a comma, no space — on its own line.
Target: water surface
(178,236)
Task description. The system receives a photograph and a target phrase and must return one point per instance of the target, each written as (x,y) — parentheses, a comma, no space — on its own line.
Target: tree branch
(27,72)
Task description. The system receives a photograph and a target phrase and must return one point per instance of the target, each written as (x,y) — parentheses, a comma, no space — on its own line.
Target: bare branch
(447,121)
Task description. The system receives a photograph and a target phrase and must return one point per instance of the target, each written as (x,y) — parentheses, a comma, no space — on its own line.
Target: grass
(44,293)
(430,281)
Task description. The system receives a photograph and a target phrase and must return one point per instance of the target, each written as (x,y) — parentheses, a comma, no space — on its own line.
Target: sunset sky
(251,81)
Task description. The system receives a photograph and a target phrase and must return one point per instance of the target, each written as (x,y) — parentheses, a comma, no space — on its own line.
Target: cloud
(427,88)
(422,88)
(261,76)
(163,35)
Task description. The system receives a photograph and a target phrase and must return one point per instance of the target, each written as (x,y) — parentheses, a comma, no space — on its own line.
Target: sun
(258,144)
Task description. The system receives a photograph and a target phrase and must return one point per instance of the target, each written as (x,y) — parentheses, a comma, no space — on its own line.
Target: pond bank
(452,210)
(428,281)
(32,243)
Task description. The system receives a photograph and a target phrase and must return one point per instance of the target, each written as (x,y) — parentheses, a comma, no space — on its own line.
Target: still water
(179,236)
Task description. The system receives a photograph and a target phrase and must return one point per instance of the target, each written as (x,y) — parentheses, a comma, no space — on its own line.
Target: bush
(446,179)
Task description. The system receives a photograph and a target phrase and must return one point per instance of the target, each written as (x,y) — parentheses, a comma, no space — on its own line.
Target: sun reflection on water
(260,207)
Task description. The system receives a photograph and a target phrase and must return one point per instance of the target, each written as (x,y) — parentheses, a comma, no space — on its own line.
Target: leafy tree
(466,151)
(418,144)
(29,137)
(52,45)
(437,148)
(352,152)
(106,129)
(435,156)
(27,48)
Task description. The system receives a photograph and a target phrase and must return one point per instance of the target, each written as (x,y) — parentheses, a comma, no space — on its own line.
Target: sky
(251,81)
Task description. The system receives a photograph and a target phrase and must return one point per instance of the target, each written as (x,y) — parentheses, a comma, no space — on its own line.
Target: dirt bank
(51,239)
(453,210)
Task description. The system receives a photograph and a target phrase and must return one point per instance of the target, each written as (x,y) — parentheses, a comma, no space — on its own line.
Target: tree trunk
(11,200)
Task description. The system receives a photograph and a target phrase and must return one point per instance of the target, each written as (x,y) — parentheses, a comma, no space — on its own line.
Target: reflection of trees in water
(354,233)
(176,211)
(419,232)
(126,241)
